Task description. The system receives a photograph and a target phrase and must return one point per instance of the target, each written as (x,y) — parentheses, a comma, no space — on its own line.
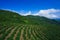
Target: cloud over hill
(49,13)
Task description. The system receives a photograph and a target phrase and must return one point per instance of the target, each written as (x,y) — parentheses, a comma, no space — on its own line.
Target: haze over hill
(16,27)
(48,13)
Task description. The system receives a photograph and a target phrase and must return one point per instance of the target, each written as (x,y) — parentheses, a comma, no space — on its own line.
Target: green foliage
(33,27)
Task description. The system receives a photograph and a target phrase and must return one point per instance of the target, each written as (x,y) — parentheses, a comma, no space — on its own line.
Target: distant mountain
(14,26)
(15,17)
(57,19)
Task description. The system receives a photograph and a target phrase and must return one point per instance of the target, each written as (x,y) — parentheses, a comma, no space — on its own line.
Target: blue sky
(32,6)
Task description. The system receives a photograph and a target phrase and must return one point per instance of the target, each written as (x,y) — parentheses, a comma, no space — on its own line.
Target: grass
(33,32)
(35,27)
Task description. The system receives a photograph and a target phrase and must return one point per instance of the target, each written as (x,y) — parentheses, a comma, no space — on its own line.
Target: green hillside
(16,27)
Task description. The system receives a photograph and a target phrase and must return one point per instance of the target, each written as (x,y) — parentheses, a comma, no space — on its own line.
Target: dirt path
(1,35)
(21,36)
(27,34)
(10,34)
(15,35)
(32,37)
(29,30)
(8,29)
(34,34)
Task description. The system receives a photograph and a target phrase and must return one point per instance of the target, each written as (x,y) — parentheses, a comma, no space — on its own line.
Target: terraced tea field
(29,32)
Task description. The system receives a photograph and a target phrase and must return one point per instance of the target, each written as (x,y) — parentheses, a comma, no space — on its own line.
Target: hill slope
(16,27)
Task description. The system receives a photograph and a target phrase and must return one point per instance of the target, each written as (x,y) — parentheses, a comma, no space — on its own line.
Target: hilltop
(13,26)
(15,17)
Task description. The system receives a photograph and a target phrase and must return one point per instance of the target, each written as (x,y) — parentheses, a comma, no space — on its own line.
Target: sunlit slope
(16,27)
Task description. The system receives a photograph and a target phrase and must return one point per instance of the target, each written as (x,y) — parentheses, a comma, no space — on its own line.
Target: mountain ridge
(13,25)
(19,17)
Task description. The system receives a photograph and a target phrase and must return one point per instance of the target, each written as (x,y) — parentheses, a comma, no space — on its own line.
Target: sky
(46,8)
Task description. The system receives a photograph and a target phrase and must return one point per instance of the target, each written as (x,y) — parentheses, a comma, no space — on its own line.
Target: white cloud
(49,13)
(25,14)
